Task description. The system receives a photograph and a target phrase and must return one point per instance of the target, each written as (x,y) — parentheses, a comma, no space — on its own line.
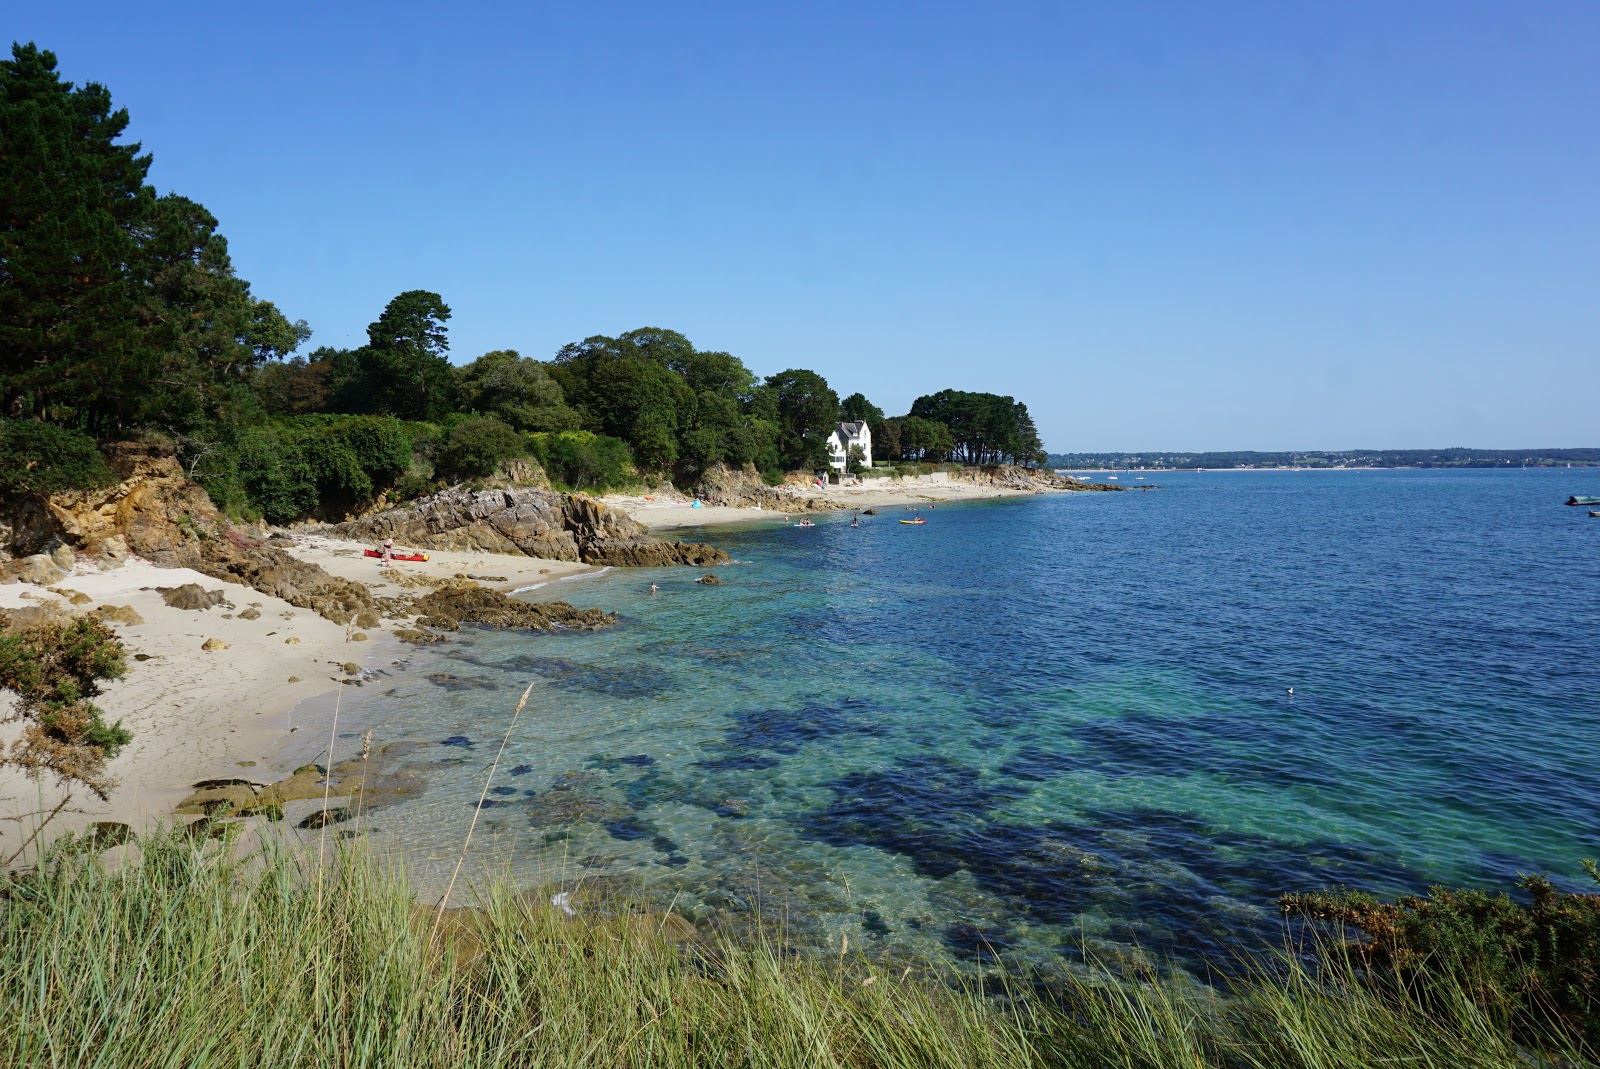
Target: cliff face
(538,523)
(155,512)
(744,487)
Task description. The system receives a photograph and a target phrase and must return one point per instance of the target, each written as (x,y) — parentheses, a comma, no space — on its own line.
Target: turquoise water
(1037,722)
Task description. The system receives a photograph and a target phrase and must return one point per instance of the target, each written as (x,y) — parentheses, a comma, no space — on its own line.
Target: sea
(1039,727)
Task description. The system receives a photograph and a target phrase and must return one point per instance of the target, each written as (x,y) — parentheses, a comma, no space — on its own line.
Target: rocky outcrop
(1012,477)
(190,596)
(537,523)
(448,607)
(156,512)
(745,488)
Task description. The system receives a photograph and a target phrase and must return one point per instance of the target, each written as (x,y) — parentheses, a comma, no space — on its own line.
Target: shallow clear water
(1039,721)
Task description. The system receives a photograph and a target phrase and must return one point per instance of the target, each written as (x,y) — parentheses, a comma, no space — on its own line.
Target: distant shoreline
(1382,467)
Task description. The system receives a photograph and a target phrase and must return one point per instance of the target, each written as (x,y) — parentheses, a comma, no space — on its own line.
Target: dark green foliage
(807,410)
(516,389)
(296,386)
(856,460)
(886,439)
(291,469)
(476,447)
(40,458)
(628,391)
(985,428)
(856,408)
(583,460)
(55,669)
(923,439)
(405,363)
(118,308)
(1536,962)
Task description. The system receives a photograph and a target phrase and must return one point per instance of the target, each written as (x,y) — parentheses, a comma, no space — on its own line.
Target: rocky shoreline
(532,522)
(231,628)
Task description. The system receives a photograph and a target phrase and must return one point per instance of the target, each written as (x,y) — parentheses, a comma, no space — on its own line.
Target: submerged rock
(464,602)
(323,817)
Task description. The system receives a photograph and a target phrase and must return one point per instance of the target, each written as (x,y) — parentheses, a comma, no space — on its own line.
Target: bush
(583,459)
(1537,963)
(54,669)
(43,459)
(353,457)
(477,447)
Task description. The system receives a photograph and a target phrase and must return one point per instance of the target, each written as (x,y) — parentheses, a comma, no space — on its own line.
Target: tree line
(121,315)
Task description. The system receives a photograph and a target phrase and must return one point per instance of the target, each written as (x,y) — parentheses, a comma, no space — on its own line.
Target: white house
(843,437)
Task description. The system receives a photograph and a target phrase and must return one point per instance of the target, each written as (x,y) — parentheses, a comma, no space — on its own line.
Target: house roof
(853,429)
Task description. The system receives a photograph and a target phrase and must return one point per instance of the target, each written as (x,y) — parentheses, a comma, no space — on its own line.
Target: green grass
(191,957)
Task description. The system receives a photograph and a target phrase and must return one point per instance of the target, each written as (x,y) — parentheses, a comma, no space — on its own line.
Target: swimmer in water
(654,588)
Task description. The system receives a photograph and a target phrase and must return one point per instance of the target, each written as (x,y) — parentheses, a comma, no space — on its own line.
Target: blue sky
(1197,226)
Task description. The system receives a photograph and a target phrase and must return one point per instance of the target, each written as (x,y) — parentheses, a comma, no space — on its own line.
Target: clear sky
(1162,225)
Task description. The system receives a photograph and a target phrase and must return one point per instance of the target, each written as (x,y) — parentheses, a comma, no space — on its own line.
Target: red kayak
(398,556)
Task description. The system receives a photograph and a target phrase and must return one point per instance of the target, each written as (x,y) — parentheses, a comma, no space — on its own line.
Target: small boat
(805,523)
(397,556)
(919,519)
(1575,500)
(1592,512)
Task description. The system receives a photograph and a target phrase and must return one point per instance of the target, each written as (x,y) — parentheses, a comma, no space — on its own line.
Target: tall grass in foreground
(191,958)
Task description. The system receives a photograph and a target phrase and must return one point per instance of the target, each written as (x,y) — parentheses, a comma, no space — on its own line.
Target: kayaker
(388,553)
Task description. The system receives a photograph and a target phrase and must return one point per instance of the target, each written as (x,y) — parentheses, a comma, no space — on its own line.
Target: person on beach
(388,553)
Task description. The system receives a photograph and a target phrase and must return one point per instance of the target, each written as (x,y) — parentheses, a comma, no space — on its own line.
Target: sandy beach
(662,512)
(228,711)
(200,714)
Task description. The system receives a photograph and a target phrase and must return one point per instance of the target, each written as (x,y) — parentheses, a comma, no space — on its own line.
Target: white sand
(664,513)
(200,715)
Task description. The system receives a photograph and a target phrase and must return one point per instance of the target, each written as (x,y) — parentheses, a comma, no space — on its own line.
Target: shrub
(43,459)
(412,485)
(1536,962)
(583,459)
(476,447)
(273,474)
(55,668)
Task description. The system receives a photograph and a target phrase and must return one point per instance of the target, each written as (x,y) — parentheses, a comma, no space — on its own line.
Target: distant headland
(1458,457)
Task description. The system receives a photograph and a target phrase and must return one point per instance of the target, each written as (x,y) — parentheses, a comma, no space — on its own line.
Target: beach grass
(191,955)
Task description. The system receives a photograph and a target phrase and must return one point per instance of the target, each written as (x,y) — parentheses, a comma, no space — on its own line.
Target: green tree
(807,410)
(476,448)
(722,374)
(924,439)
(985,428)
(405,367)
(856,462)
(623,391)
(665,347)
(117,307)
(856,408)
(582,459)
(41,459)
(886,439)
(516,389)
(294,387)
